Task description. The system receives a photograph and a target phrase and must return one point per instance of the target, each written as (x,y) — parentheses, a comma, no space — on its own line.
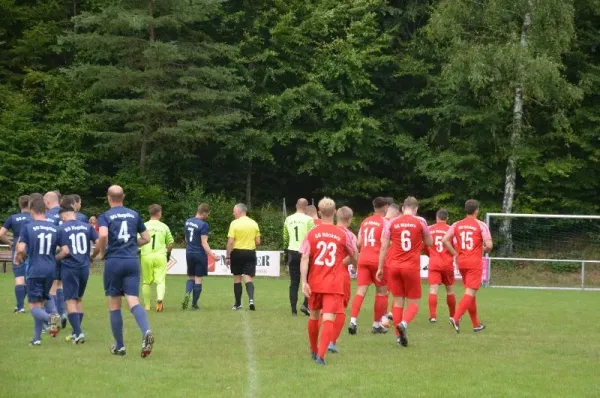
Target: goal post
(544,251)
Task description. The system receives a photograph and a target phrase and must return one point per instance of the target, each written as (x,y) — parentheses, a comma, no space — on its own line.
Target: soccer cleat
(252,307)
(147,343)
(379,330)
(34,343)
(332,348)
(54,325)
(70,337)
(236,307)
(186,301)
(432,320)
(195,307)
(294,313)
(159,306)
(320,361)
(46,327)
(305,310)
(117,351)
(79,339)
(454,324)
(479,328)
(403,336)
(352,329)
(313,355)
(389,316)
(398,342)
(63,321)
(19,310)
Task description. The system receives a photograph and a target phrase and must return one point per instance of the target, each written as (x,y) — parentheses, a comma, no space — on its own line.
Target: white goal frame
(520,215)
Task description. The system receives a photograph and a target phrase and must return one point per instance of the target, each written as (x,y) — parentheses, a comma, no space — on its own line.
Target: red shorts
(404,282)
(438,277)
(471,277)
(328,303)
(367,275)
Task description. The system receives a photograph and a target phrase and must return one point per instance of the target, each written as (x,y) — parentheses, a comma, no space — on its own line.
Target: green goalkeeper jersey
(295,229)
(160,238)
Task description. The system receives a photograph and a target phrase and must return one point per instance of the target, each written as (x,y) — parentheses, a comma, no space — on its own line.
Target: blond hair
(327,207)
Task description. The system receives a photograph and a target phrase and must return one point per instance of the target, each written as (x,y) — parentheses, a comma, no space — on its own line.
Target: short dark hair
(77,198)
(37,206)
(34,196)
(68,202)
(380,202)
(471,206)
(154,210)
(442,214)
(203,208)
(411,202)
(24,202)
(65,209)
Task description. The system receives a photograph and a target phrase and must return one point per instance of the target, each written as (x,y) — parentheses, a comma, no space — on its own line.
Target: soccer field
(538,343)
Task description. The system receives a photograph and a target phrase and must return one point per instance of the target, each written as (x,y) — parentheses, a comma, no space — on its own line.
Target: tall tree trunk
(249,186)
(515,141)
(146,130)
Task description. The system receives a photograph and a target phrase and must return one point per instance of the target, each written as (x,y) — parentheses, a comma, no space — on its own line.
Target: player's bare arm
(488,245)
(206,247)
(3,237)
(385,245)
(21,253)
(143,239)
(257,241)
(447,242)
(304,275)
(62,253)
(96,251)
(230,243)
(427,238)
(102,240)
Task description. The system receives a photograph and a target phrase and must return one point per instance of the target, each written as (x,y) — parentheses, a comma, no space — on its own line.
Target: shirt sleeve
(169,236)
(451,230)
(141,227)
(24,237)
(425,228)
(311,223)
(93,233)
(62,237)
(257,229)
(387,230)
(8,223)
(231,232)
(485,231)
(102,221)
(305,247)
(204,230)
(350,242)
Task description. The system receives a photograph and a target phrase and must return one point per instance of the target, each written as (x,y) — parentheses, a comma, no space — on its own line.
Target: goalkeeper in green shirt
(154,257)
(295,229)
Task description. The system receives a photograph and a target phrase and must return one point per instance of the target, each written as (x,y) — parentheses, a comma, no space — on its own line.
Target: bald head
(115,195)
(301,205)
(51,200)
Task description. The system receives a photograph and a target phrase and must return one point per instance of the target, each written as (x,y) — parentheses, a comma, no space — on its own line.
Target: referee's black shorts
(243,262)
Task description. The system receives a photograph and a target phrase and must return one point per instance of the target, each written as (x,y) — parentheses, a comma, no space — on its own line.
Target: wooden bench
(5,258)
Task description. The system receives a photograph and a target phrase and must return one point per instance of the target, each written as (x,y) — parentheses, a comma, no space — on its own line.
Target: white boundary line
(251,365)
(591,289)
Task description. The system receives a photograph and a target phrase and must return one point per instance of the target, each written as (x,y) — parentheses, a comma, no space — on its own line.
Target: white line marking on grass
(250,361)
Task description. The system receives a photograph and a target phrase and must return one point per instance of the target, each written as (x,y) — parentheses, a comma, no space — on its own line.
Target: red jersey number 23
(326,254)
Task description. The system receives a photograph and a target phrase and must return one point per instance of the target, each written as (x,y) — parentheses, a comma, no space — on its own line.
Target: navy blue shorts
(197,264)
(58,272)
(20,270)
(122,277)
(74,282)
(38,289)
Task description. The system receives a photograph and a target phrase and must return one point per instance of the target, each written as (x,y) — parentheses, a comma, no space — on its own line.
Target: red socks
(465,303)
(313,334)
(380,307)
(338,325)
(473,312)
(451,300)
(356,304)
(433,305)
(410,313)
(326,337)
(397,315)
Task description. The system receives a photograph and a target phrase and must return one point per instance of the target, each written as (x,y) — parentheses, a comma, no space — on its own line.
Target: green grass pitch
(538,343)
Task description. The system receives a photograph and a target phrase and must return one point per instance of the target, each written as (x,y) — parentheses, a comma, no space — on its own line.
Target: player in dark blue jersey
(75,238)
(37,243)
(80,216)
(196,254)
(52,202)
(15,223)
(118,244)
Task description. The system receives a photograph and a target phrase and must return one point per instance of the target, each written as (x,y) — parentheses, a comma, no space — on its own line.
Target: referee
(243,237)
(295,229)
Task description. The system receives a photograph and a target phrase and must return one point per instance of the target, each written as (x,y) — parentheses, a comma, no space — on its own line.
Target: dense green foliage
(260,100)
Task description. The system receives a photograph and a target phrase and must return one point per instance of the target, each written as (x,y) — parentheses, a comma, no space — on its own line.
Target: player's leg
(113,289)
(294,270)
(397,289)
(333,304)
(435,279)
(448,281)
(189,284)
(36,302)
(340,318)
(147,279)
(474,284)
(471,281)
(131,290)
(159,269)
(201,270)
(315,305)
(83,280)
(20,287)
(70,279)
(249,273)
(381,303)
(363,281)
(237,269)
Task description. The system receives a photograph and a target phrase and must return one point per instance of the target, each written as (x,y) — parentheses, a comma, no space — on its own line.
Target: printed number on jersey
(45,243)
(405,241)
(326,254)
(466,240)
(124,232)
(79,243)
(439,247)
(369,237)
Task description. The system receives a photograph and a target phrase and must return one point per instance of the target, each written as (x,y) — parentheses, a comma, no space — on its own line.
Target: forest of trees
(179,100)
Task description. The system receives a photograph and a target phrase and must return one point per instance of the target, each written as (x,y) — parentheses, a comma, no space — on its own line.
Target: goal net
(545,251)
